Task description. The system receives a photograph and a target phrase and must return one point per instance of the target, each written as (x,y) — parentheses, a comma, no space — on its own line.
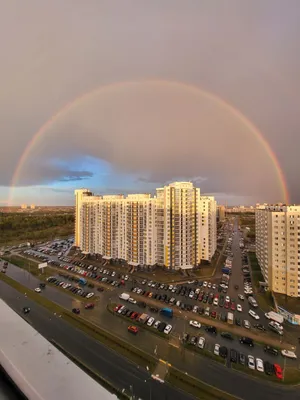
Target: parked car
(195,324)
(217,349)
(288,354)
(271,350)
(251,362)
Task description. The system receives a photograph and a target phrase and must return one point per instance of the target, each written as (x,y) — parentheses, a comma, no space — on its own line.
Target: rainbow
(193,89)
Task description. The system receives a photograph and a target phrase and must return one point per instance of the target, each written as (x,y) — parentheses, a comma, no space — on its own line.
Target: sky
(157,91)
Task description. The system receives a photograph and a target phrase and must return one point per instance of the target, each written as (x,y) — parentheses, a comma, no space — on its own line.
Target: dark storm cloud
(245,52)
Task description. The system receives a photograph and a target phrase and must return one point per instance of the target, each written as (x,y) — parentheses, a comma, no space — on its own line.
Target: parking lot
(216,300)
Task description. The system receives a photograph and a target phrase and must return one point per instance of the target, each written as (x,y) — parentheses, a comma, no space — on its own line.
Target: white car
(223,286)
(90,295)
(227,298)
(209,285)
(253,314)
(156,325)
(216,301)
(204,284)
(191,295)
(168,329)
(178,303)
(251,362)
(126,277)
(131,300)
(260,365)
(241,297)
(288,354)
(217,349)
(113,273)
(201,342)
(239,308)
(195,324)
(195,309)
(150,321)
(214,286)
(247,324)
(139,291)
(38,290)
(121,309)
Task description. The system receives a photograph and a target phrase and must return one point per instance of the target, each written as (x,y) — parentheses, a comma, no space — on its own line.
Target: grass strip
(291,375)
(195,387)
(110,307)
(203,352)
(98,378)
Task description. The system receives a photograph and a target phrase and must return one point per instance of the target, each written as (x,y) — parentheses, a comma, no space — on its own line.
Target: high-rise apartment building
(278,247)
(208,207)
(176,228)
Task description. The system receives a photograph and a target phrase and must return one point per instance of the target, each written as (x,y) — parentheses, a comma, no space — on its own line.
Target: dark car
(42,285)
(247,341)
(233,355)
(153,309)
(260,327)
(238,321)
(227,335)
(271,350)
(161,326)
(100,289)
(224,317)
(269,368)
(223,351)
(26,310)
(193,340)
(242,359)
(211,329)
(76,310)
(221,301)
(185,337)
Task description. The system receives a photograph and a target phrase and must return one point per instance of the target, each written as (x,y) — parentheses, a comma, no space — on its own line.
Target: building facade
(176,228)
(278,247)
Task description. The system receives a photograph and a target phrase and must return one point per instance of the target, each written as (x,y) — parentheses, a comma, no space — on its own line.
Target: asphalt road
(118,370)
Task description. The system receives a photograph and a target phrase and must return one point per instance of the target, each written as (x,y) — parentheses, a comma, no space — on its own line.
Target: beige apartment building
(278,247)
(175,228)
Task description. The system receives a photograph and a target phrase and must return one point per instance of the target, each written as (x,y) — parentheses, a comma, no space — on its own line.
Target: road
(118,370)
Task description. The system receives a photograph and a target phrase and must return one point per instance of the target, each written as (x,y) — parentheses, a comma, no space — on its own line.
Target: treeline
(16,228)
(16,222)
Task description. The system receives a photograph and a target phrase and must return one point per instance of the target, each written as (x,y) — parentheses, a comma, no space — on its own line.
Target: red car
(133,316)
(213,314)
(227,304)
(278,371)
(200,298)
(117,307)
(133,329)
(89,306)
(232,306)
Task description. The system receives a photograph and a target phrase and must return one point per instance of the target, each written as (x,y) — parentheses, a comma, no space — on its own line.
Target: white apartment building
(168,229)
(278,247)
(208,236)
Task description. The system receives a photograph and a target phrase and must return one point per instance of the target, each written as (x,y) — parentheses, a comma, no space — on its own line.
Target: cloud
(243,53)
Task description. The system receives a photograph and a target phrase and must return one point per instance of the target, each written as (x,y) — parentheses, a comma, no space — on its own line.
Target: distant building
(32,207)
(24,206)
(277,230)
(221,213)
(176,228)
